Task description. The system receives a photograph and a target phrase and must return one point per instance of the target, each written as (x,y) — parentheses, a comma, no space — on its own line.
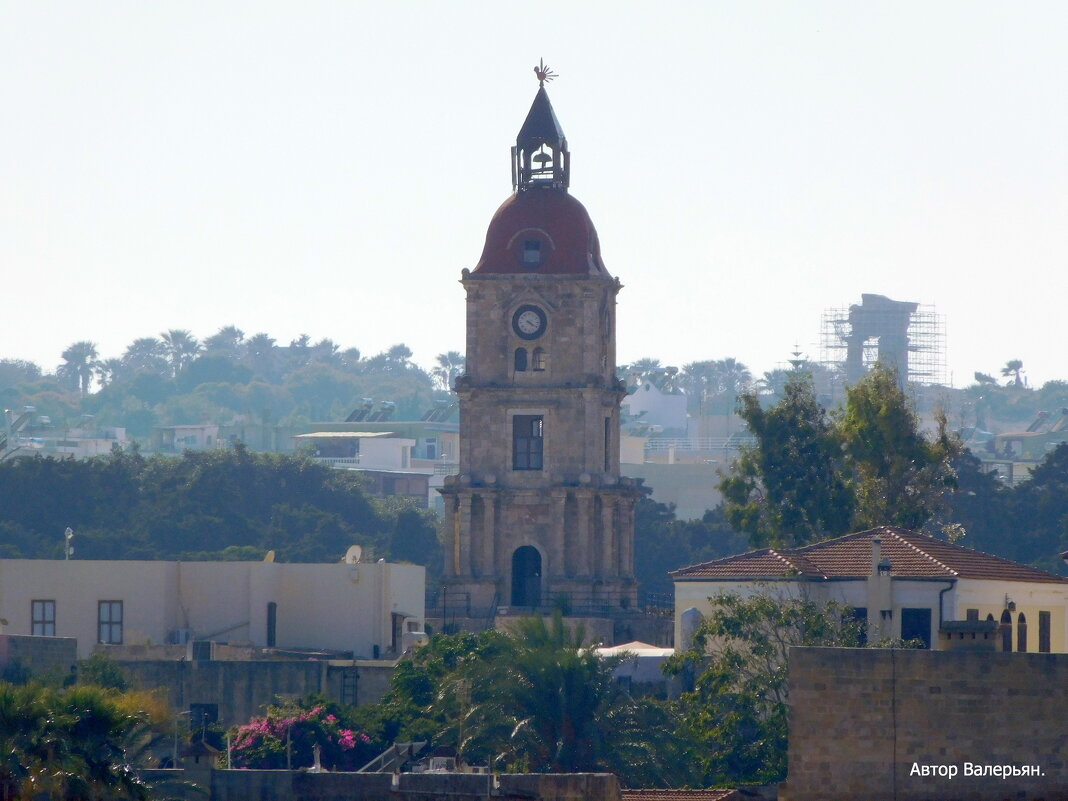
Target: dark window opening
(858,616)
(531,253)
(527,439)
(520,360)
(43,618)
(539,361)
(916,625)
(272,624)
(1043,632)
(1006,631)
(1021,633)
(972,614)
(109,622)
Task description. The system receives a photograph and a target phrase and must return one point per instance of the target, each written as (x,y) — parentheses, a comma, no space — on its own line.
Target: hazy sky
(329,168)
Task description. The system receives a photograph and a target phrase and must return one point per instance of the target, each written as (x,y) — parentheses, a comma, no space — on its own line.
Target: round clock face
(528,322)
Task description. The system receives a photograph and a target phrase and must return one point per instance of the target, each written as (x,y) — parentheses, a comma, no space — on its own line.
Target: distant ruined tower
(538,515)
(906,336)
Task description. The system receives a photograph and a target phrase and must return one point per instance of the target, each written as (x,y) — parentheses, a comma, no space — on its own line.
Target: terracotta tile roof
(680,795)
(911,555)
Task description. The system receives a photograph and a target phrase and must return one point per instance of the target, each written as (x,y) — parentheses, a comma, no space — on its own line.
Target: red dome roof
(541,231)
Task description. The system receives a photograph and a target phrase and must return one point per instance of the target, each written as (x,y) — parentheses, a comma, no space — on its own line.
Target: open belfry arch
(538,516)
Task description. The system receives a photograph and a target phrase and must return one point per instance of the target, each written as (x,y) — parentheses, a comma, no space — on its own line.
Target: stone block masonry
(881,724)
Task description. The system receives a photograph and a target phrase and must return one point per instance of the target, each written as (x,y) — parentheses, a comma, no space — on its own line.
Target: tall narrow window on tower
(607,444)
(527,439)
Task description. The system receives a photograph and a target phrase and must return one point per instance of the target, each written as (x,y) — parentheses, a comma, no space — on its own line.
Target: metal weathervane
(543,72)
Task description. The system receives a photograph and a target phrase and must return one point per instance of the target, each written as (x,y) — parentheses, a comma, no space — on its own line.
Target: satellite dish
(269,557)
(353,554)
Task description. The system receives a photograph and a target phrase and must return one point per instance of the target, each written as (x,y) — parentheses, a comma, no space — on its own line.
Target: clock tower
(538,516)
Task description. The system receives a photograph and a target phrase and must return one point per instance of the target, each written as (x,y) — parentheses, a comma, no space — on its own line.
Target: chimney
(876,554)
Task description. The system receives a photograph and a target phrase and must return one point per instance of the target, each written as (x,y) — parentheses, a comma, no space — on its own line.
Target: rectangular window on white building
(109,622)
(43,618)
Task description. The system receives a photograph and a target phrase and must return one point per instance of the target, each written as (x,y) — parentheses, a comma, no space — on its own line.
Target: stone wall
(242,689)
(282,785)
(39,654)
(881,724)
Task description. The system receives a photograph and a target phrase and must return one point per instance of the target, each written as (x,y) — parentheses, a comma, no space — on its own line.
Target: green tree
(146,355)
(788,488)
(288,734)
(17,371)
(666,543)
(810,477)
(1014,368)
(228,343)
(79,362)
(898,476)
(736,713)
(414,539)
(180,348)
(534,700)
(543,703)
(1038,513)
(449,365)
(72,743)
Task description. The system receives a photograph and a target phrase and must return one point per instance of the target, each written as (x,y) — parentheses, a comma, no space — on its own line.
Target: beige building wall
(339,607)
(989,597)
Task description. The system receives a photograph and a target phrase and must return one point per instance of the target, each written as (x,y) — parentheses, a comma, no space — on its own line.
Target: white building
(365,609)
(904,584)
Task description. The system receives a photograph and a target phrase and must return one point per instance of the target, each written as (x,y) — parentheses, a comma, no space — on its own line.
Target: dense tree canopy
(77,743)
(175,379)
(810,476)
(736,712)
(206,505)
(531,700)
(789,488)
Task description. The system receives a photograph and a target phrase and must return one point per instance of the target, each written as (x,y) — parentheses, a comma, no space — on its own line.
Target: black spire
(540,157)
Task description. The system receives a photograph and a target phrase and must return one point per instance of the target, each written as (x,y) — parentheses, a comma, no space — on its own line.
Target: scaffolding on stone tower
(909,336)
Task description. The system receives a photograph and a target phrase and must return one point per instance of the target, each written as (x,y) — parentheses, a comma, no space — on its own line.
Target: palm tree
(399,355)
(79,361)
(697,381)
(260,354)
(545,703)
(733,376)
(1014,368)
(109,371)
(180,347)
(449,366)
(638,372)
(146,355)
(228,342)
(66,744)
